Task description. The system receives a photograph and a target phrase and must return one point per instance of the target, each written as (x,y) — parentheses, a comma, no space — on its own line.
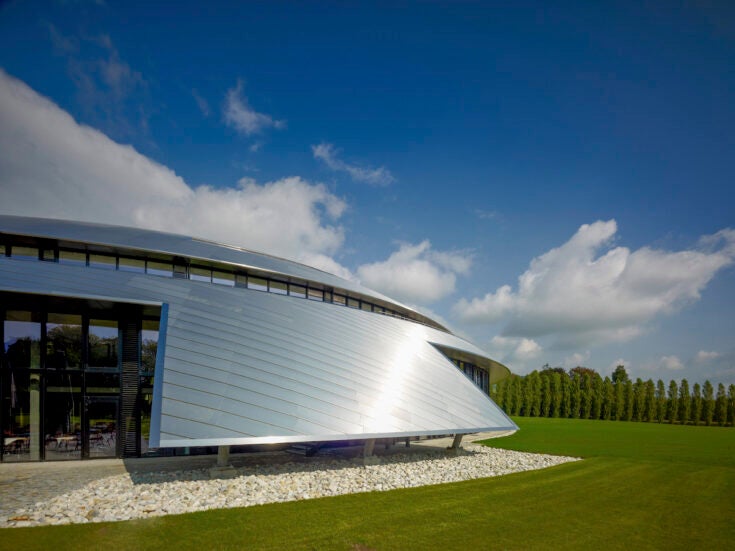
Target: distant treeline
(582,393)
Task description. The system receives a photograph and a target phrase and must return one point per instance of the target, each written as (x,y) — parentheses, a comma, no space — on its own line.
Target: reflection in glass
(22,339)
(200,274)
(135,265)
(102,383)
(148,347)
(24,253)
(297,291)
(64,341)
(223,278)
(102,423)
(159,269)
(146,401)
(278,287)
(62,416)
(257,283)
(316,294)
(103,343)
(102,261)
(73,258)
(21,405)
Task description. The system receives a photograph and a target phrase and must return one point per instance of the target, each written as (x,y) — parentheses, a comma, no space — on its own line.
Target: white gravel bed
(141,495)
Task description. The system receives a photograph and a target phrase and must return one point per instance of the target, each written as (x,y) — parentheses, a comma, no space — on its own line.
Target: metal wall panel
(242,366)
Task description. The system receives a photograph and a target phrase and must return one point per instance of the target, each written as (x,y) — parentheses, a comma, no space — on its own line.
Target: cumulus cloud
(239,115)
(416,273)
(589,292)
(577,359)
(327,153)
(671,363)
(520,354)
(54,167)
(704,356)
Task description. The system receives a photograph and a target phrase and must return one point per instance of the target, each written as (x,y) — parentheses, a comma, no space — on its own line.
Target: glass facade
(476,374)
(61,396)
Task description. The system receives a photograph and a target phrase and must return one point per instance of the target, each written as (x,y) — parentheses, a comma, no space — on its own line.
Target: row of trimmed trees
(582,393)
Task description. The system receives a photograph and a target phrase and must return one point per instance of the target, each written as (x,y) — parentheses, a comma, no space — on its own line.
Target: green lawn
(640,486)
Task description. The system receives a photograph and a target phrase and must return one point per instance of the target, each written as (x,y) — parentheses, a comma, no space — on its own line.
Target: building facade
(119,341)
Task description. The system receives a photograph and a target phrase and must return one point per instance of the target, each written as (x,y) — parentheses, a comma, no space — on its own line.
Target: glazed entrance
(76,378)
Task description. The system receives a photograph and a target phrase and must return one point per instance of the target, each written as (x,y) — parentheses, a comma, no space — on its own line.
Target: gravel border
(133,495)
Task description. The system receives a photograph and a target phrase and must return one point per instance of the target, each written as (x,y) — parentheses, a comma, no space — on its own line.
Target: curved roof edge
(496,370)
(155,241)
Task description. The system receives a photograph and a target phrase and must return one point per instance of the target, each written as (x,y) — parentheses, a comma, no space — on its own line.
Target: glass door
(102,426)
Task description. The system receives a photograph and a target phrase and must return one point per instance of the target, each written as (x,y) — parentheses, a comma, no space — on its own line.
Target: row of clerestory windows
(78,254)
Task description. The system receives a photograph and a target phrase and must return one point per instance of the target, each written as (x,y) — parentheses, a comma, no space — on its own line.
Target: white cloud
(704,356)
(671,363)
(586,292)
(327,153)
(518,353)
(577,359)
(416,273)
(54,167)
(201,103)
(486,214)
(239,115)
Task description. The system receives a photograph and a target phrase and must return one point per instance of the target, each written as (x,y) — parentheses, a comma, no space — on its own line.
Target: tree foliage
(583,393)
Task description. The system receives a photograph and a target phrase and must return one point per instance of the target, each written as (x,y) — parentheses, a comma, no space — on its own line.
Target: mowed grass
(641,486)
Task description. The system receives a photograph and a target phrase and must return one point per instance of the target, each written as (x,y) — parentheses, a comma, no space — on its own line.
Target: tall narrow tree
(500,392)
(586,397)
(557,394)
(533,393)
(685,402)
(576,396)
(660,401)
(731,404)
(639,399)
(721,405)
(518,398)
(509,395)
(566,398)
(673,413)
(629,400)
(597,397)
(650,402)
(620,375)
(608,402)
(619,399)
(708,403)
(696,415)
(545,406)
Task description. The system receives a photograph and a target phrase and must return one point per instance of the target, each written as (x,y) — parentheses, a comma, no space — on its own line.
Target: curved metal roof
(179,245)
(240,366)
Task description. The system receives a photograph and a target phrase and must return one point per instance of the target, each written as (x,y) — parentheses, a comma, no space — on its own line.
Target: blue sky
(553,182)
